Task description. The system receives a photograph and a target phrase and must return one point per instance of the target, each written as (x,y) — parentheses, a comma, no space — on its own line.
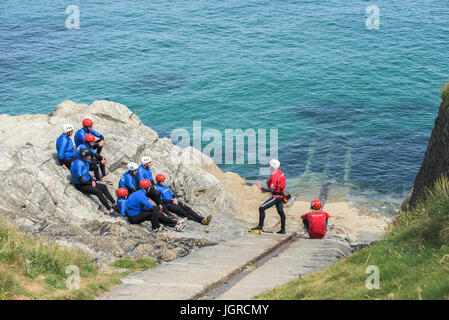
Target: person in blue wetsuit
(122,198)
(173,205)
(64,147)
(139,209)
(129,178)
(84,182)
(97,162)
(87,128)
(144,172)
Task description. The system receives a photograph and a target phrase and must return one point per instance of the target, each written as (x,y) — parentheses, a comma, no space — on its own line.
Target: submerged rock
(37,195)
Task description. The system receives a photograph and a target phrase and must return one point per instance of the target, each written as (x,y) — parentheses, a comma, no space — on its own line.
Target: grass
(413,260)
(30,269)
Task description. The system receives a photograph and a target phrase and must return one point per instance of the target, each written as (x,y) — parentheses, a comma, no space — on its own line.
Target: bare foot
(65,167)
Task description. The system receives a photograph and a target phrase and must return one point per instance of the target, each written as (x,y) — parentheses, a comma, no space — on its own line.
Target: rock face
(37,195)
(436,159)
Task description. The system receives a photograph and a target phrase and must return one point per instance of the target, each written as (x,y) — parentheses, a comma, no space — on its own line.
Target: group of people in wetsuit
(136,186)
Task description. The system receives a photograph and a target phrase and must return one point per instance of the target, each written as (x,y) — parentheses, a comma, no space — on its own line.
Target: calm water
(354,107)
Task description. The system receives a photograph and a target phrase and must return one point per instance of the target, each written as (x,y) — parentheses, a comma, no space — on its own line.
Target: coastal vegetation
(412,259)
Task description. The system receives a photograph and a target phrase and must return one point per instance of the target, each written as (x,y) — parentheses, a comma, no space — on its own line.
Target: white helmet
(132,166)
(144,160)
(67,128)
(275,164)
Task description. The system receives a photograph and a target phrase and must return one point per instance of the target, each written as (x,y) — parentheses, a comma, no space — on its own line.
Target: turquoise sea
(354,107)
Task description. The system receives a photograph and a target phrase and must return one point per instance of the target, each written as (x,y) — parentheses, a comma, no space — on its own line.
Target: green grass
(444,93)
(30,269)
(135,265)
(413,260)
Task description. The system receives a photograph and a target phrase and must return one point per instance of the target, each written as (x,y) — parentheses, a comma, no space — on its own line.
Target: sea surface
(353,104)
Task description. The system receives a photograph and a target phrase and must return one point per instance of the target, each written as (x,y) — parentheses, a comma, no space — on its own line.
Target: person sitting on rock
(175,206)
(122,198)
(139,209)
(143,173)
(315,221)
(84,182)
(97,162)
(276,186)
(87,128)
(129,178)
(64,147)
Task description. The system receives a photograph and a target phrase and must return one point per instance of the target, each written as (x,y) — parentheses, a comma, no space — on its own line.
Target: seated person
(122,198)
(87,128)
(144,172)
(97,162)
(64,147)
(84,182)
(175,206)
(139,209)
(129,178)
(315,221)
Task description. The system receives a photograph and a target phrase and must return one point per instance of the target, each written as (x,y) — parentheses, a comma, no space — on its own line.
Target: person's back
(79,135)
(136,202)
(121,206)
(78,170)
(317,223)
(64,147)
(84,146)
(166,193)
(129,182)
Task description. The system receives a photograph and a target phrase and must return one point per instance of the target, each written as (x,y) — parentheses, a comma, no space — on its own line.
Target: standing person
(144,172)
(84,182)
(315,221)
(139,209)
(87,128)
(129,178)
(276,186)
(64,147)
(97,162)
(175,206)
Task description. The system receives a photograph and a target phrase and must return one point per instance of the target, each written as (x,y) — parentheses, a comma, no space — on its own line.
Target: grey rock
(38,197)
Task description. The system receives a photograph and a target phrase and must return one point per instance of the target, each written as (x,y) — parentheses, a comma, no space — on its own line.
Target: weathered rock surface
(37,196)
(436,159)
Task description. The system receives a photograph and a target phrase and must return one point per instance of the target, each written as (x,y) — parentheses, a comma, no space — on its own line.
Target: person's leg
(306,224)
(103,170)
(106,192)
(97,147)
(178,210)
(192,215)
(97,192)
(155,196)
(166,220)
(280,209)
(267,204)
(144,216)
(326,224)
(96,170)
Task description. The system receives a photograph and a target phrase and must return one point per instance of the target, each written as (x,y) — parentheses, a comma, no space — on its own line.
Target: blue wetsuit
(137,202)
(64,146)
(79,135)
(121,206)
(129,182)
(144,173)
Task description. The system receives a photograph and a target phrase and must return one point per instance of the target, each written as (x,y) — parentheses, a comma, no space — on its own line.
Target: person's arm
(165,201)
(61,152)
(98,135)
(146,203)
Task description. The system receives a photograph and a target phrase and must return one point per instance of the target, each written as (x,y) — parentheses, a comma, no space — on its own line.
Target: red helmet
(88,123)
(122,192)
(160,177)
(88,137)
(315,204)
(145,183)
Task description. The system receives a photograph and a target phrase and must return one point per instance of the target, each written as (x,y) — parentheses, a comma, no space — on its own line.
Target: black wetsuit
(154,216)
(182,210)
(278,202)
(100,190)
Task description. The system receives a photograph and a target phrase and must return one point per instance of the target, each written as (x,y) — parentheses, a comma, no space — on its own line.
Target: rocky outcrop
(37,196)
(436,159)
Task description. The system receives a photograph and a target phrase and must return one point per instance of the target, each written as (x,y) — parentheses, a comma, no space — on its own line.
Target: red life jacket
(317,223)
(277,183)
